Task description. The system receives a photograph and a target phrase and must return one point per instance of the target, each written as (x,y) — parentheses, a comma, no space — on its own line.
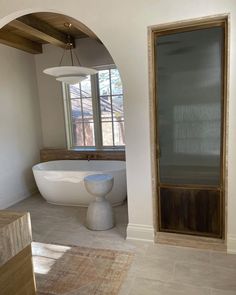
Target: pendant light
(70,74)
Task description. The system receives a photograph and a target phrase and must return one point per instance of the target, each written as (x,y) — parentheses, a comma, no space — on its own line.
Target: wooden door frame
(153,31)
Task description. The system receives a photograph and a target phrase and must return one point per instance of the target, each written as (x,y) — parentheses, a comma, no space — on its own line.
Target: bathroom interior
(84,129)
(170,221)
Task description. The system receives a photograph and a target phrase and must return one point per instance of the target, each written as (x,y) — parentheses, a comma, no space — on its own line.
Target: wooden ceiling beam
(19,42)
(40,29)
(81,27)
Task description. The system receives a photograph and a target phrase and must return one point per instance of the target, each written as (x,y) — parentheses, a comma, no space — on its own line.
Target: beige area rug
(64,270)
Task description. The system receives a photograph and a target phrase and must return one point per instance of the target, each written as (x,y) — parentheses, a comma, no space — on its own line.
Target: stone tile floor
(156,269)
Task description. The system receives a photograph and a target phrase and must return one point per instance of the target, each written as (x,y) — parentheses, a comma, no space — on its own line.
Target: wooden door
(190,128)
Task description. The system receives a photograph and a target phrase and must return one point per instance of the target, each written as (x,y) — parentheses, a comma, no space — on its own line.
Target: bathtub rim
(35,168)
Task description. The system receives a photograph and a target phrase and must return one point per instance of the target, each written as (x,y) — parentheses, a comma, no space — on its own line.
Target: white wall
(50,99)
(91,53)
(122,26)
(20,130)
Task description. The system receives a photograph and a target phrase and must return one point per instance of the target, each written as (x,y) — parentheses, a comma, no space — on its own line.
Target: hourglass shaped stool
(99,214)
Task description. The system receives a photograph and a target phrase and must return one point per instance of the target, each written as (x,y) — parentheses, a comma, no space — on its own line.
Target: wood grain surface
(15,234)
(51,154)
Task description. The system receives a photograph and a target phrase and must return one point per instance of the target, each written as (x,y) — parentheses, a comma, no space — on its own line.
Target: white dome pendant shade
(71,79)
(70,74)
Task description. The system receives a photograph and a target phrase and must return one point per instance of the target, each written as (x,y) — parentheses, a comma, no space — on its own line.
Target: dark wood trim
(191,211)
(224,126)
(19,42)
(52,154)
(190,186)
(43,31)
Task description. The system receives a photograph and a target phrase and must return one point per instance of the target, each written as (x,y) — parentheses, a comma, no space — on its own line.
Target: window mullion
(67,115)
(112,119)
(82,114)
(96,111)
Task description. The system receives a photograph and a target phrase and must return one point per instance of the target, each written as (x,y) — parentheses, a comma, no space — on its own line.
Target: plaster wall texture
(20,127)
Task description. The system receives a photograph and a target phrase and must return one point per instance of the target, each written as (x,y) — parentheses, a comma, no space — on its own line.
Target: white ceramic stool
(100,213)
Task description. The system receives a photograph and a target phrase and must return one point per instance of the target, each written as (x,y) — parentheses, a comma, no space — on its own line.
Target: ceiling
(30,32)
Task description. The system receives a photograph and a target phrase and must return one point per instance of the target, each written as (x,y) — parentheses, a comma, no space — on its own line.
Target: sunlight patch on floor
(45,256)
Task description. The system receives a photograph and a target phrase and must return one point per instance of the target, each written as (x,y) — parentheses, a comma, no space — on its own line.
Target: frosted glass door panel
(189,91)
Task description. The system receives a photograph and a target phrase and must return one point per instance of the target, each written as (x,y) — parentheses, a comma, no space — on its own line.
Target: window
(94,111)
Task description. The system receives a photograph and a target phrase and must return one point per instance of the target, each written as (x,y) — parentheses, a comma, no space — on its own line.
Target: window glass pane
(117,106)
(86,87)
(119,134)
(111,110)
(116,86)
(105,107)
(87,108)
(89,134)
(78,137)
(107,134)
(76,109)
(74,90)
(104,82)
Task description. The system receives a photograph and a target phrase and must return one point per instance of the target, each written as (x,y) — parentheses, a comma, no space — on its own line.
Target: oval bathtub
(62,182)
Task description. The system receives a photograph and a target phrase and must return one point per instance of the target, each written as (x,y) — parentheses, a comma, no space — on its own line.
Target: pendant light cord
(71,57)
(63,55)
(69,45)
(77,58)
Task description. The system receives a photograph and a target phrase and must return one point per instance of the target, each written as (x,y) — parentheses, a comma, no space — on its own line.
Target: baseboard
(231,244)
(140,232)
(22,197)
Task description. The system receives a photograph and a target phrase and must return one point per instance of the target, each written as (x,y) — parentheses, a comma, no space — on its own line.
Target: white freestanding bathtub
(62,182)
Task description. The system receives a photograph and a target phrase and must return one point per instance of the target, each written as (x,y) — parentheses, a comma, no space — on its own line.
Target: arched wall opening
(128,50)
(48,101)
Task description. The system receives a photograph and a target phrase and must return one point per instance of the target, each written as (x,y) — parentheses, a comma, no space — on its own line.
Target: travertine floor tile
(223,259)
(178,253)
(153,268)
(157,269)
(154,287)
(222,292)
(206,275)
(70,237)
